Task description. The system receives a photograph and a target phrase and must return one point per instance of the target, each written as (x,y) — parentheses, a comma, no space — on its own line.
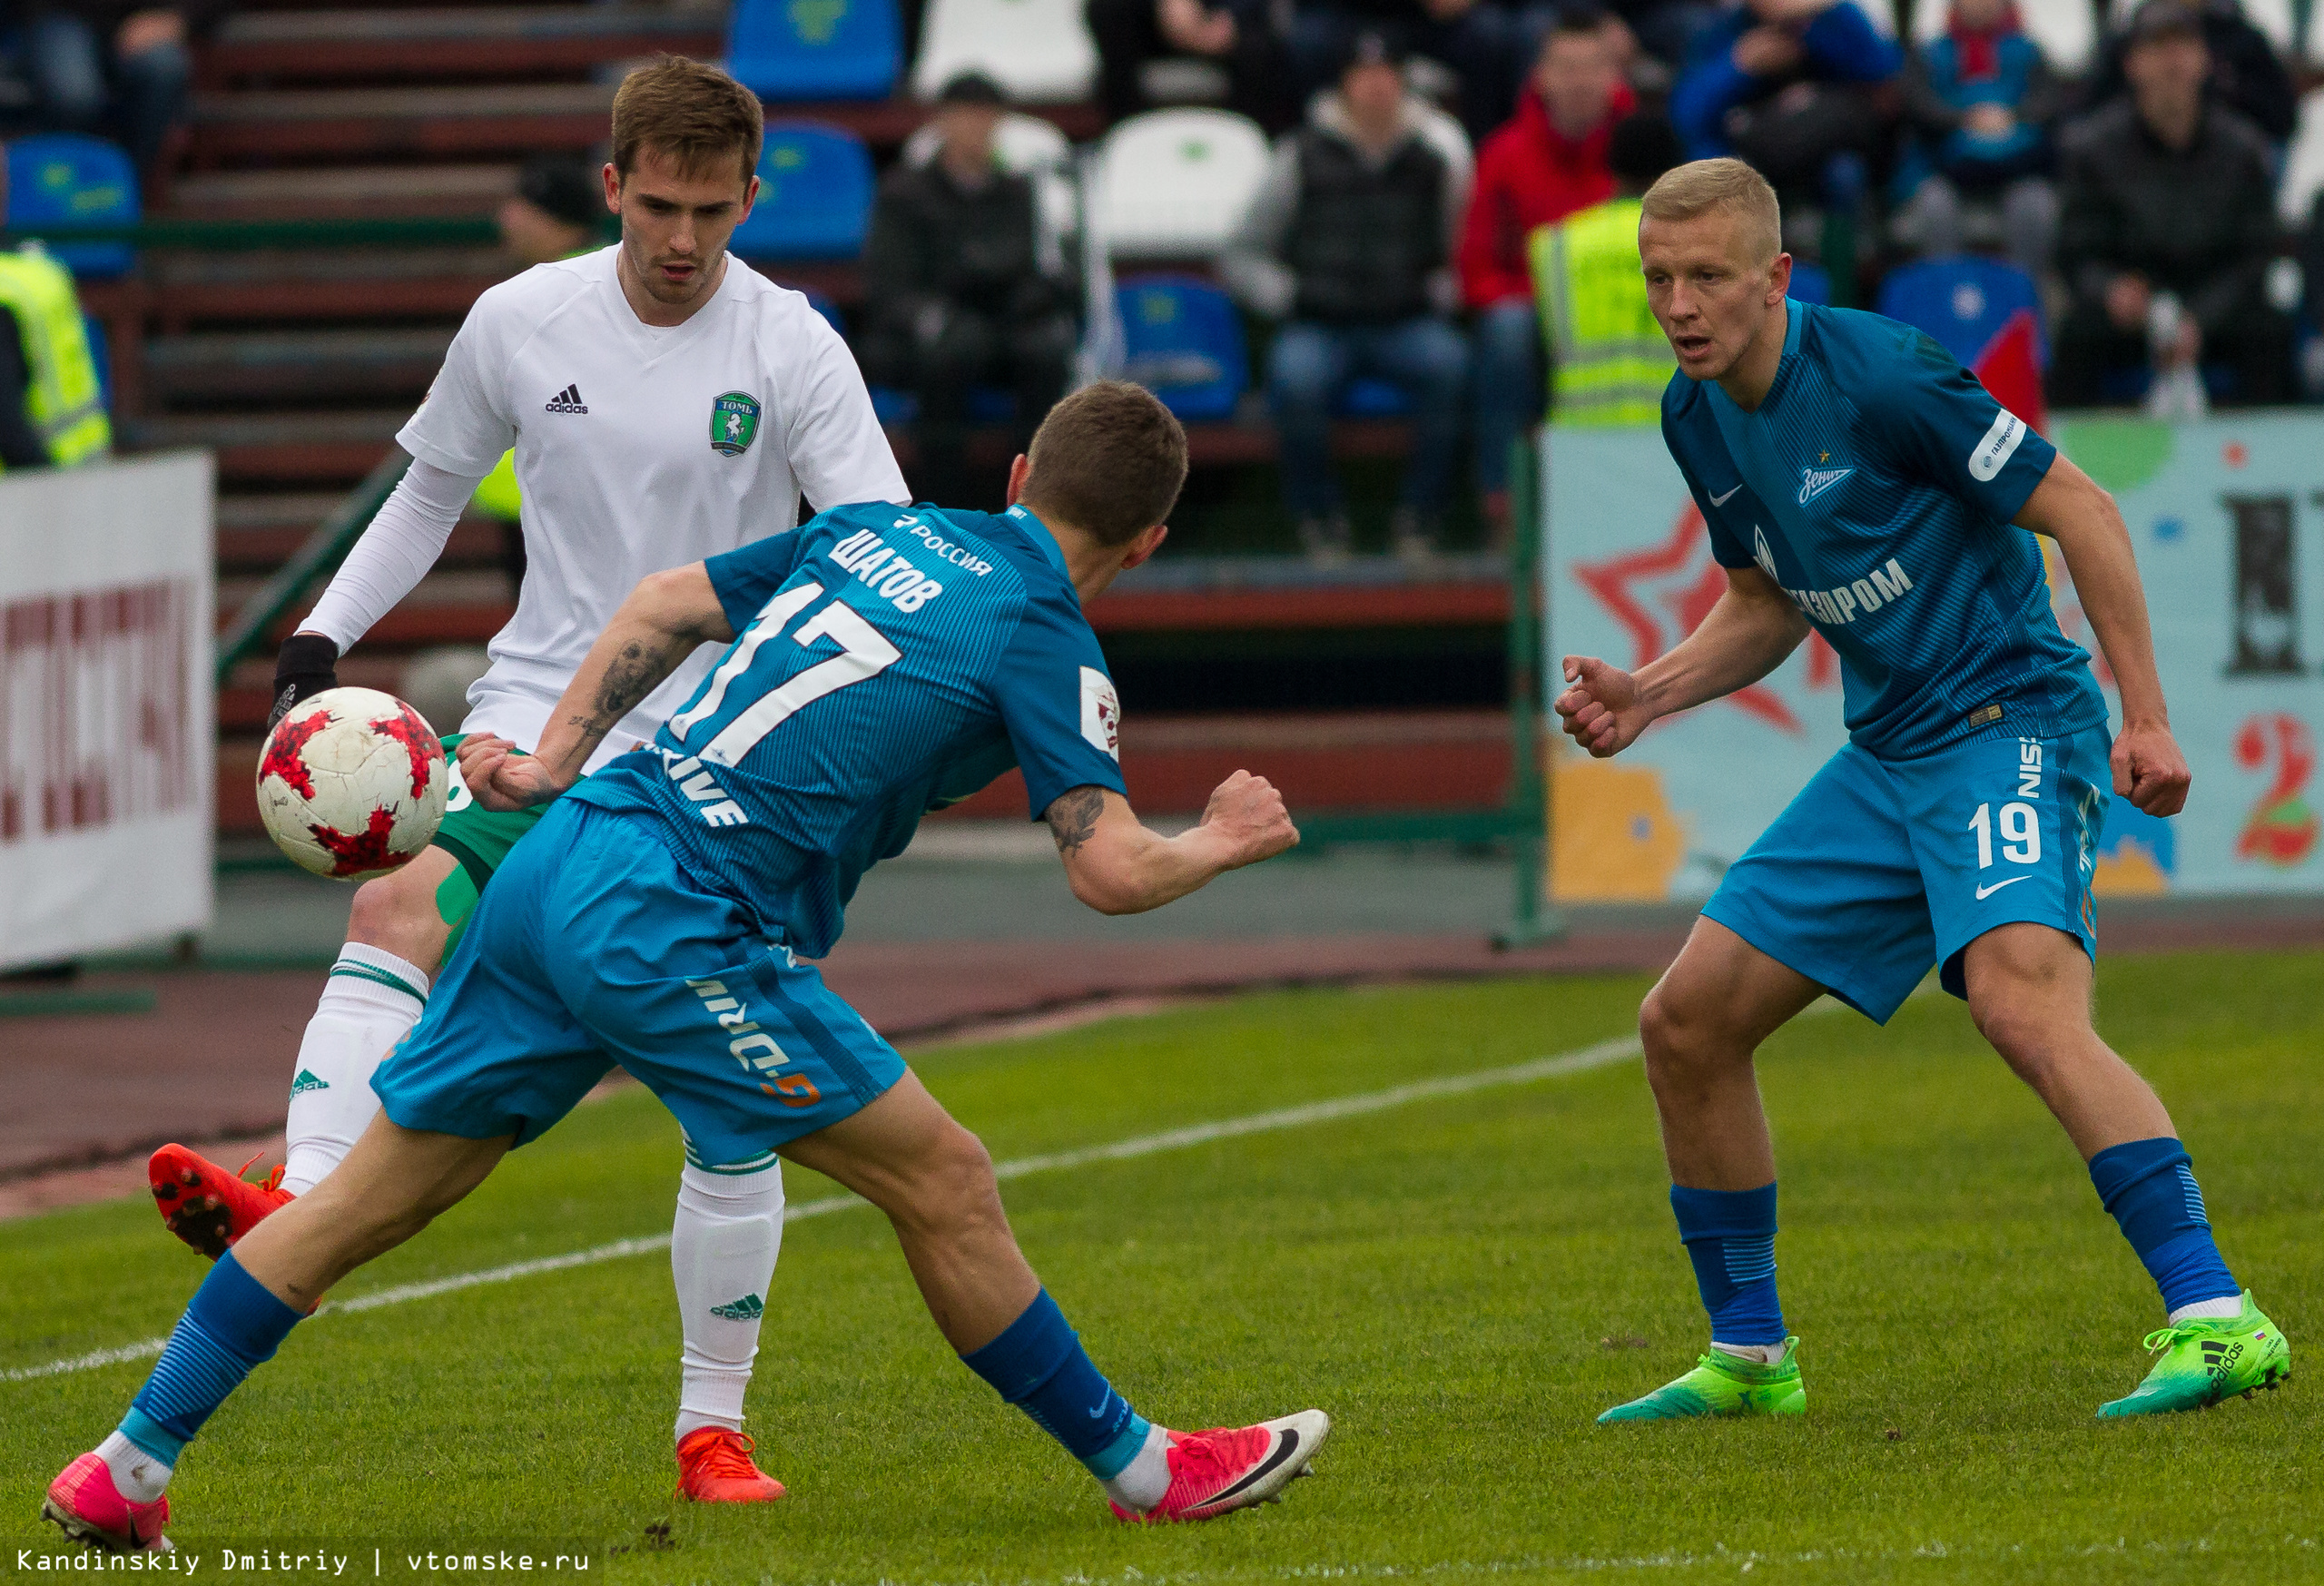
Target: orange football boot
(715,1466)
(86,1506)
(1226,1468)
(206,1206)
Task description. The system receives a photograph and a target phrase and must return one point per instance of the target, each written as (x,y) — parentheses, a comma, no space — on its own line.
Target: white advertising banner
(107,734)
(2228,521)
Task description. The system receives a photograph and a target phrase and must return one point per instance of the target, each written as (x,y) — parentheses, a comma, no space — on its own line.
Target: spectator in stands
(1549,161)
(1348,240)
(52,411)
(963,287)
(2167,197)
(1787,85)
(1613,359)
(1236,36)
(1980,100)
(2246,74)
(87,55)
(1478,39)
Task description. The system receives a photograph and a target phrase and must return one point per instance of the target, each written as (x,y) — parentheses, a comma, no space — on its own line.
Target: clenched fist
(1249,814)
(1604,708)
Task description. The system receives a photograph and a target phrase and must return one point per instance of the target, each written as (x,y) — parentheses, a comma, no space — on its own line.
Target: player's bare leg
(2030,991)
(905,1154)
(1699,1027)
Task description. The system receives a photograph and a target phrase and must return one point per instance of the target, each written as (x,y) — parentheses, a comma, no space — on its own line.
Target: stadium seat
(1369,396)
(100,354)
(1963,301)
(2065,29)
(1038,51)
(827,309)
(66,177)
(815,49)
(1172,183)
(987,405)
(1810,283)
(2303,175)
(1183,342)
(815,195)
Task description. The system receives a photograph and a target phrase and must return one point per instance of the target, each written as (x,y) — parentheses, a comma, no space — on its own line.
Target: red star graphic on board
(1695,581)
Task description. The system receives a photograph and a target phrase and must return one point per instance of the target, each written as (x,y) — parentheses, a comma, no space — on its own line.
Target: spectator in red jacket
(1546,162)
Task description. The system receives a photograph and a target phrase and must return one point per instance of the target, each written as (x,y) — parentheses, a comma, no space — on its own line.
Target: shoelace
(271,1181)
(2162,1338)
(729,1456)
(1207,1460)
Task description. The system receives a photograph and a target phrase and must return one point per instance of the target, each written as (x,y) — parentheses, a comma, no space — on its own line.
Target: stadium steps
(345,192)
(276,366)
(505,41)
(314,125)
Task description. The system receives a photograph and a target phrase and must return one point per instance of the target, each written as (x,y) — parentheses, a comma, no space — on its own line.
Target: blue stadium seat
(987,405)
(1962,301)
(827,309)
(1183,342)
(815,195)
(815,49)
(1810,283)
(81,180)
(1369,396)
(100,354)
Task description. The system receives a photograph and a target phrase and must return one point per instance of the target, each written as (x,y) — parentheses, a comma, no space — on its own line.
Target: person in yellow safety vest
(51,408)
(1609,360)
(557,210)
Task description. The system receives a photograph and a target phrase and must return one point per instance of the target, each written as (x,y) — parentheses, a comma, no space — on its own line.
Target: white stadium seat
(1172,183)
(2303,164)
(1037,50)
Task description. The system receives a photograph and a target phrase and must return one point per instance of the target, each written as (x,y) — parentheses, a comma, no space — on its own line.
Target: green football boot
(2206,1361)
(1723,1384)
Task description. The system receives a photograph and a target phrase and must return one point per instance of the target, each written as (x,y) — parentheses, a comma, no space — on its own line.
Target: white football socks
(1145,1479)
(2225,1308)
(1760,1354)
(370,1002)
(723,1248)
(137,1475)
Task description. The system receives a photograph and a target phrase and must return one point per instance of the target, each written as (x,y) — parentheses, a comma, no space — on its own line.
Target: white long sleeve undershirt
(393,554)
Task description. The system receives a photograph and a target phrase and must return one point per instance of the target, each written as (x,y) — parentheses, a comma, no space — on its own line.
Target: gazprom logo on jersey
(1997,447)
(733,423)
(1814,482)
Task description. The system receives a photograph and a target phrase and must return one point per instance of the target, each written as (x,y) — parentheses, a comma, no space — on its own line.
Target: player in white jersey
(666,403)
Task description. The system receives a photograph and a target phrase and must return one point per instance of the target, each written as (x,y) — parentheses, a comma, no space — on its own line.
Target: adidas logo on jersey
(1814,482)
(568,400)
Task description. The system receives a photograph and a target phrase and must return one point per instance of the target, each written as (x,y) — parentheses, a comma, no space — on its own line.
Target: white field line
(1599,1055)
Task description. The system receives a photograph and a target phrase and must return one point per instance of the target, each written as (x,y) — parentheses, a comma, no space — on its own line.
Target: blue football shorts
(593,948)
(1881,868)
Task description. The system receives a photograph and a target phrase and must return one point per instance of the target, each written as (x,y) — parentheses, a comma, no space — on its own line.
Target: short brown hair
(694,114)
(1109,459)
(1703,185)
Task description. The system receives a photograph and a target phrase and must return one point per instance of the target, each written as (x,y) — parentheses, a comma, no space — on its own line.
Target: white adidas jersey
(639,449)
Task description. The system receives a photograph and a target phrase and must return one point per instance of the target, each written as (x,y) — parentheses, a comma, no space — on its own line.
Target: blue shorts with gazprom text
(1881,868)
(593,948)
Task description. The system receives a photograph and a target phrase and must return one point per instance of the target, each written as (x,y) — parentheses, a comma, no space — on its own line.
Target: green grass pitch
(1463,1283)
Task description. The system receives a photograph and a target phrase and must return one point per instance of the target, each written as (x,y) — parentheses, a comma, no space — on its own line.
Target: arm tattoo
(633,675)
(1073,817)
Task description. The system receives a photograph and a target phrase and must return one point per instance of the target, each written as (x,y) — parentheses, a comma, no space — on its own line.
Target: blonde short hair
(1701,186)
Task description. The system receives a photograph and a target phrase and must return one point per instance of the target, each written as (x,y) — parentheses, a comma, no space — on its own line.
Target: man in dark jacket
(1348,240)
(2247,74)
(962,286)
(85,54)
(2168,196)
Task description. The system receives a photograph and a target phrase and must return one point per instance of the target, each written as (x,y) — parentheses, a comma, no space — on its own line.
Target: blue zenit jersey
(1876,483)
(887,662)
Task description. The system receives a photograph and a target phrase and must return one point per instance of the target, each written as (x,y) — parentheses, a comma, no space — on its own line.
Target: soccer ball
(351,783)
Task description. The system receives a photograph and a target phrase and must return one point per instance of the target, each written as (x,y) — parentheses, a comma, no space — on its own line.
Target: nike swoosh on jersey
(1984,892)
(1286,1444)
(1723,500)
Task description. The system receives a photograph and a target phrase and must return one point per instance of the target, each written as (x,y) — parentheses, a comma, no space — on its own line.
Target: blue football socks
(1037,1364)
(1730,1237)
(2149,1187)
(231,1327)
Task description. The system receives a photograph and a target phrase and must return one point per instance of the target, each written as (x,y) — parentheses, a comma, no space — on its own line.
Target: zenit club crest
(733,423)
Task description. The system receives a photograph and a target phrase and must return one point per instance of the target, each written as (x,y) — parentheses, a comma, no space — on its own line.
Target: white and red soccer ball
(351,783)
